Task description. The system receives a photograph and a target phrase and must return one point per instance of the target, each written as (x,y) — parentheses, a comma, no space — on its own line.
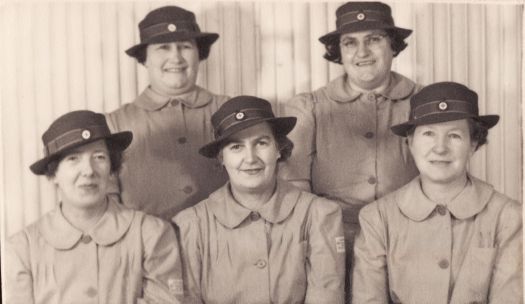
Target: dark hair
(284,144)
(203,48)
(333,50)
(478,132)
(115,158)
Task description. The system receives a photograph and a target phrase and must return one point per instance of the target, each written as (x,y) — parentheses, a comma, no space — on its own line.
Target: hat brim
(365,26)
(203,38)
(281,125)
(401,129)
(115,142)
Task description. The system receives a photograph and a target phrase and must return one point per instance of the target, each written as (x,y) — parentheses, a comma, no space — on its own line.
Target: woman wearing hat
(170,120)
(343,146)
(259,239)
(445,237)
(90,249)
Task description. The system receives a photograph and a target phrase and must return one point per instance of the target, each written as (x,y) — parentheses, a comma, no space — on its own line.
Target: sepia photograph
(261,151)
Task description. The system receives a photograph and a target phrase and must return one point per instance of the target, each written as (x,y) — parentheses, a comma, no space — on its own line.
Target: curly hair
(203,48)
(333,50)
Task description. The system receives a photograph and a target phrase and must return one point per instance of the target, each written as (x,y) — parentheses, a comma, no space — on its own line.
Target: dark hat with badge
(240,113)
(76,129)
(169,24)
(354,17)
(441,102)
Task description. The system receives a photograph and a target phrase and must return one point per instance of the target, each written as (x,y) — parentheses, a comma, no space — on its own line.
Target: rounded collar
(150,100)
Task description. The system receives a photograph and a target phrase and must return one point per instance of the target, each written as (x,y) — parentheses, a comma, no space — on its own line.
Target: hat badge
(361,16)
(443,105)
(239,116)
(86,134)
(172,27)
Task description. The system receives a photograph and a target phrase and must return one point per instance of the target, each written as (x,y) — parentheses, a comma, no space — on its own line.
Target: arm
(297,169)
(187,230)
(162,268)
(507,277)
(369,281)
(19,278)
(325,268)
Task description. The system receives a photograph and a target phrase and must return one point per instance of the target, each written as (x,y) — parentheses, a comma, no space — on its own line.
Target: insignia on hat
(361,16)
(172,27)
(239,116)
(86,134)
(443,105)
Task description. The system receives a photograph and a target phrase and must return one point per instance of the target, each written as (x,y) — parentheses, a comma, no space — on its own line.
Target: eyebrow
(237,140)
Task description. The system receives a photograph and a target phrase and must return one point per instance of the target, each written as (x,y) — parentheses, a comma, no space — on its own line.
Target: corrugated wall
(61,56)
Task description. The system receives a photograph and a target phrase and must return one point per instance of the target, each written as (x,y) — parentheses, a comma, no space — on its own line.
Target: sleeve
(187,228)
(298,167)
(19,278)
(162,267)
(325,267)
(507,277)
(369,278)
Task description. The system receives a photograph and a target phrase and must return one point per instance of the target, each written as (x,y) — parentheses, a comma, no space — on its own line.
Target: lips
(365,63)
(88,186)
(252,171)
(175,69)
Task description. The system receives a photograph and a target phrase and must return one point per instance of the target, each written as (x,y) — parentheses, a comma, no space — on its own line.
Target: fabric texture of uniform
(163,172)
(289,251)
(128,257)
(411,250)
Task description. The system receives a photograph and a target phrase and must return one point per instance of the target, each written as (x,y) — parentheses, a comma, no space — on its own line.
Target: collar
(111,227)
(231,214)
(400,88)
(150,100)
(417,206)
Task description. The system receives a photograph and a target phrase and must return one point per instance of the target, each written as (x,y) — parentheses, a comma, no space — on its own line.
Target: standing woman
(445,237)
(259,239)
(170,120)
(90,249)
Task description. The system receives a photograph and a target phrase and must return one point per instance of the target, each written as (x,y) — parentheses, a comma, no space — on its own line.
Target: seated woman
(258,239)
(445,237)
(90,249)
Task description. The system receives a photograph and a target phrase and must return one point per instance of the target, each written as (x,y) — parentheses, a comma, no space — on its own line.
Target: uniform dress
(162,171)
(411,250)
(128,257)
(289,251)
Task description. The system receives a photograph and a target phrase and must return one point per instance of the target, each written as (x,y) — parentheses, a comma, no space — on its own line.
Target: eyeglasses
(370,41)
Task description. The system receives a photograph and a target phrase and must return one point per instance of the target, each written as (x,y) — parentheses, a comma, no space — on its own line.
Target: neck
(253,200)
(443,193)
(169,92)
(84,219)
(376,88)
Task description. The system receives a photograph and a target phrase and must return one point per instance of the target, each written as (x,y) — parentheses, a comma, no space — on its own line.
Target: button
(443,264)
(187,189)
(182,140)
(260,264)
(371,97)
(255,216)
(174,103)
(172,27)
(91,292)
(372,180)
(85,239)
(441,209)
(369,135)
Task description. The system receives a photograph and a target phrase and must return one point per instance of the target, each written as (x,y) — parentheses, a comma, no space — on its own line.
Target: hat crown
(167,14)
(372,13)
(75,120)
(363,6)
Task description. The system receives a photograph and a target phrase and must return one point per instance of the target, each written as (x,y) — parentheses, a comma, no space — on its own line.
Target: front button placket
(260,270)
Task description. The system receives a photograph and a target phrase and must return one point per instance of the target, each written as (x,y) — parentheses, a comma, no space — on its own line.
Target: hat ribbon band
(75,136)
(352,17)
(452,106)
(166,28)
(248,114)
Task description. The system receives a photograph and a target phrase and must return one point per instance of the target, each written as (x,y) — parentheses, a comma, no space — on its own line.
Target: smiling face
(367,58)
(173,66)
(250,158)
(442,151)
(82,176)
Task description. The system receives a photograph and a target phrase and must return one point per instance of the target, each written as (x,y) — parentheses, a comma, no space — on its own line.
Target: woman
(170,120)
(258,239)
(90,249)
(445,237)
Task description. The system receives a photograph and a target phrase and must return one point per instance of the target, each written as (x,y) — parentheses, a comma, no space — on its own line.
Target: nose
(441,145)
(362,49)
(175,53)
(250,155)
(87,166)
